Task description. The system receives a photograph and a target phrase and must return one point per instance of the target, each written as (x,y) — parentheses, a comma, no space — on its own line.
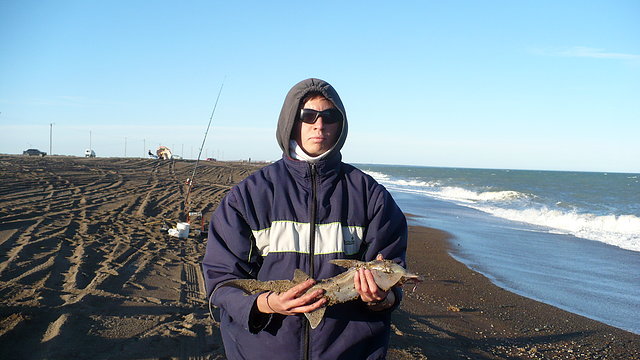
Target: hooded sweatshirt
(297,214)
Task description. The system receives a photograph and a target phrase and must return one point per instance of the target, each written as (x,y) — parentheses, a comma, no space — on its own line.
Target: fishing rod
(193,174)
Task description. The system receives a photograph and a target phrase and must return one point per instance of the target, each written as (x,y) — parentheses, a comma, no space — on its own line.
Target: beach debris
(337,289)
(397,331)
(453,308)
(180,231)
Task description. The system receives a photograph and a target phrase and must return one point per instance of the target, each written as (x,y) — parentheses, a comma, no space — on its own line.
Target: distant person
(300,212)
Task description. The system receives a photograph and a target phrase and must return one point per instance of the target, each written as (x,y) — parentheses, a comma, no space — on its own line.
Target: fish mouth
(413,279)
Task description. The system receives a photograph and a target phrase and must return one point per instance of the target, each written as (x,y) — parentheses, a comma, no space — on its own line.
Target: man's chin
(316,150)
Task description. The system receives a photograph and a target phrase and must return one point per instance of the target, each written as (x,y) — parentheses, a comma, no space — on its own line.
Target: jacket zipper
(312,223)
(312,246)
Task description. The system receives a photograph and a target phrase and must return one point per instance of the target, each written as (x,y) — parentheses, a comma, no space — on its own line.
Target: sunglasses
(329,116)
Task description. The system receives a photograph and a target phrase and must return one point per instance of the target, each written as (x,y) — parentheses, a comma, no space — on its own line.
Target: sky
(548,85)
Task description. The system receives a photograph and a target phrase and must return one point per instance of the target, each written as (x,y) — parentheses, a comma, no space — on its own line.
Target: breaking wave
(618,230)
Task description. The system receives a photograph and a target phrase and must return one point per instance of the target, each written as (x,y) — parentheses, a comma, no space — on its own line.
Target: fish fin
(315,317)
(385,280)
(345,263)
(299,276)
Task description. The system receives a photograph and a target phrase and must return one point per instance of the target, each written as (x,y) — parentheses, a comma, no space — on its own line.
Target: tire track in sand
(85,269)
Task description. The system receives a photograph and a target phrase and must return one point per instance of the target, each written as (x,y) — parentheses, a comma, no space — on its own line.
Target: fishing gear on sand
(188,216)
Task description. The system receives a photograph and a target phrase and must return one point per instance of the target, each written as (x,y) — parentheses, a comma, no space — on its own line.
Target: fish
(337,289)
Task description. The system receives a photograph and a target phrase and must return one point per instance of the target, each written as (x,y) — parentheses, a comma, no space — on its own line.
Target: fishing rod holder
(196,222)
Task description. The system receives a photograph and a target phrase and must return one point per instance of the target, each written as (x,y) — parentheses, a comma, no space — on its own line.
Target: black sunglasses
(329,116)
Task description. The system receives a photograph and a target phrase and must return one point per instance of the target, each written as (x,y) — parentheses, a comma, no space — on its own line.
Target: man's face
(315,139)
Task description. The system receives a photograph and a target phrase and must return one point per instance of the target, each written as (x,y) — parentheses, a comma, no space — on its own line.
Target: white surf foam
(380,177)
(434,188)
(622,231)
(464,195)
(618,230)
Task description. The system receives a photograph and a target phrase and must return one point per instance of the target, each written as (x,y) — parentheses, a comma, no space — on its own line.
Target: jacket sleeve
(230,254)
(386,232)
(387,229)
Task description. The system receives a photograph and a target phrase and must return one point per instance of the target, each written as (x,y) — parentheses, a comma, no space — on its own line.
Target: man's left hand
(366,286)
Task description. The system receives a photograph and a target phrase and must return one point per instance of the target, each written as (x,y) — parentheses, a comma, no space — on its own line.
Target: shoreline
(87,270)
(458,313)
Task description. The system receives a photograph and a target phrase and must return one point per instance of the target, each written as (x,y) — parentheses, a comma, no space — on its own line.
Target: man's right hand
(293,301)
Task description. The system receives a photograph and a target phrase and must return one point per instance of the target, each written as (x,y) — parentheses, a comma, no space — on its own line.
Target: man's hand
(369,291)
(292,301)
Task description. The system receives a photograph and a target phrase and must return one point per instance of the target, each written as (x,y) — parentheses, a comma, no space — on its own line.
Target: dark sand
(459,314)
(87,272)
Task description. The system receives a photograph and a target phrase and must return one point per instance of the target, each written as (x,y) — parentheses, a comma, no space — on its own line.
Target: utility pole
(50,137)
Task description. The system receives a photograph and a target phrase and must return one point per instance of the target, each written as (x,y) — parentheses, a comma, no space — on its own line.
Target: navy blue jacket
(298,215)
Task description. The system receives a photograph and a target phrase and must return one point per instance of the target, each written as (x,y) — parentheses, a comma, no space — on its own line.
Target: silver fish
(337,289)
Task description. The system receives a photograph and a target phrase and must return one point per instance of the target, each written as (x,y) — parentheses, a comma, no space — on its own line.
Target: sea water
(569,239)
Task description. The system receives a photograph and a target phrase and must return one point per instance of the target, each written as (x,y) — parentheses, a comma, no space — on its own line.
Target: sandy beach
(88,271)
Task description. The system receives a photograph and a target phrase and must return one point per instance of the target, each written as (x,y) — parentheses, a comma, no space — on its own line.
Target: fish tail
(315,317)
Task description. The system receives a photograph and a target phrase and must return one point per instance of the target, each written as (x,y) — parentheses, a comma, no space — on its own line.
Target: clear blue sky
(488,84)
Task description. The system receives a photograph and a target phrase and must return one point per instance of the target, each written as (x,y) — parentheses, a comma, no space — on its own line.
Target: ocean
(568,239)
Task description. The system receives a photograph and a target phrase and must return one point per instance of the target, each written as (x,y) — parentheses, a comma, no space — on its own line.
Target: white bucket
(183,230)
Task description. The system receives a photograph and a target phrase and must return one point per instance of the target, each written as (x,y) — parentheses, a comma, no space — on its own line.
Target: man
(299,213)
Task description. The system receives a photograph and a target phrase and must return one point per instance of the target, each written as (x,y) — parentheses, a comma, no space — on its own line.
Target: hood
(291,106)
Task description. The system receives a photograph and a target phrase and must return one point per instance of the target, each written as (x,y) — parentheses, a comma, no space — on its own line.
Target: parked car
(34,152)
(89,153)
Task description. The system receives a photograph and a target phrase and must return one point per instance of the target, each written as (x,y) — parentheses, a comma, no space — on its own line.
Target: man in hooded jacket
(299,213)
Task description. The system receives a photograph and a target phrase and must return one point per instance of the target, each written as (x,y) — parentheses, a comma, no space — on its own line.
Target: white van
(89,153)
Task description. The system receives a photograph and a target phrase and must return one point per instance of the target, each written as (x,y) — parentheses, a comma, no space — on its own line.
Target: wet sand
(457,313)
(87,270)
